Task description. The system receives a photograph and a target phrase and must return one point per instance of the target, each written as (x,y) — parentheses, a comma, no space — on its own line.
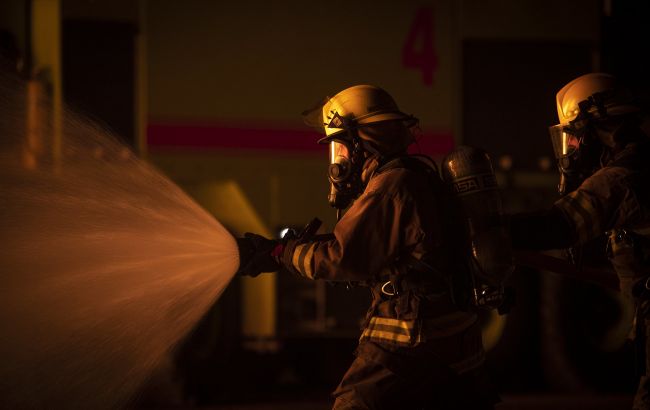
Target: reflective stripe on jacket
(616,196)
(616,199)
(401,212)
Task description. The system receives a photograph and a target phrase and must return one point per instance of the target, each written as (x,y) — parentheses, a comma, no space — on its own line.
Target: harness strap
(413,274)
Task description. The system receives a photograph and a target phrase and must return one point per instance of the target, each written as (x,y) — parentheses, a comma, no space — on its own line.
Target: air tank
(470,174)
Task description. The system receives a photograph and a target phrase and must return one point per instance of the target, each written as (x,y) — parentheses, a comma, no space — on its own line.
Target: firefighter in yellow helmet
(398,237)
(602,155)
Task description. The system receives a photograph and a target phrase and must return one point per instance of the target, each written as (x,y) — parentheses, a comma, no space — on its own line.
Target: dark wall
(509,94)
(98,72)
(625,51)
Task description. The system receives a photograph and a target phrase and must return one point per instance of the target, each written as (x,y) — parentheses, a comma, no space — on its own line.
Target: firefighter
(602,154)
(417,348)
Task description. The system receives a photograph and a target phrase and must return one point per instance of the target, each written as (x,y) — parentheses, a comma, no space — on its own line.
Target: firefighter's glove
(258,255)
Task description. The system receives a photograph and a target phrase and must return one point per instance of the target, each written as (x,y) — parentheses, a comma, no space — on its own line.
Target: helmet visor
(313,116)
(339,152)
(565,143)
(340,162)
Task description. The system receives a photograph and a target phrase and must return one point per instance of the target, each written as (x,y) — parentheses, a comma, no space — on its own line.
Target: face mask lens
(340,164)
(571,144)
(564,142)
(342,183)
(338,152)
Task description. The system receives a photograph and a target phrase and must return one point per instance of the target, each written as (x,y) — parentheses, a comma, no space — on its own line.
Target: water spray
(105,265)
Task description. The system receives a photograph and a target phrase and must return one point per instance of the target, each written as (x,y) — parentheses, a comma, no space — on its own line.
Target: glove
(258,254)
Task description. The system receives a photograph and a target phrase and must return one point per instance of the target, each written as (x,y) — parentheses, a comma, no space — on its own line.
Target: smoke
(105,264)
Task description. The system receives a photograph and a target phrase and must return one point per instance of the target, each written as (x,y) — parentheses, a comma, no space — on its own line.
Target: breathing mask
(344,172)
(579,144)
(341,118)
(578,155)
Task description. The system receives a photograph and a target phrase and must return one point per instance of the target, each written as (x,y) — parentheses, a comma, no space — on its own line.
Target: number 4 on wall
(419,50)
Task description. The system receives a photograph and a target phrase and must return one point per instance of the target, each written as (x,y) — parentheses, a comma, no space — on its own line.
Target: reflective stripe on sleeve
(400,332)
(586,219)
(302,259)
(412,332)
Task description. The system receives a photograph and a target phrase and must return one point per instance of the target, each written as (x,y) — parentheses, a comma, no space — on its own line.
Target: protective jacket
(398,238)
(614,201)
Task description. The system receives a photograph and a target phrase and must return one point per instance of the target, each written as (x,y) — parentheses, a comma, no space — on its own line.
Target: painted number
(418,51)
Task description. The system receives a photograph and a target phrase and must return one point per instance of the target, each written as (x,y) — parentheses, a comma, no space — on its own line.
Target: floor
(519,402)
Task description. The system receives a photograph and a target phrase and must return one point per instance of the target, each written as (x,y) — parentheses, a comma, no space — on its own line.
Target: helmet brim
(313,116)
(409,120)
(331,137)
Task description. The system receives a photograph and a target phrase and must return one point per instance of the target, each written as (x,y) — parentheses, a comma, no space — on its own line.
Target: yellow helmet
(354,107)
(358,120)
(596,94)
(590,97)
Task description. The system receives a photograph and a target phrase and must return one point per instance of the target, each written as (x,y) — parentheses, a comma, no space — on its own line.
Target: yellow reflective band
(397,331)
(307,261)
(295,260)
(386,321)
(375,334)
(302,259)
